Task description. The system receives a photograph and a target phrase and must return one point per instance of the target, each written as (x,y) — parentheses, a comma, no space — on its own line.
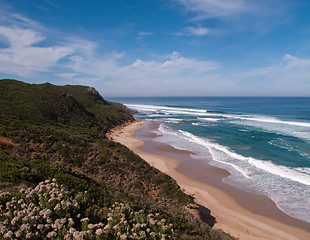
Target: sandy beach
(243,215)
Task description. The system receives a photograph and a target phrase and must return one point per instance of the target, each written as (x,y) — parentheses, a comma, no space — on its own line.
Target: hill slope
(59,132)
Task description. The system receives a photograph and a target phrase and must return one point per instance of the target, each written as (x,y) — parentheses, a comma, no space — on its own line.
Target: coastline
(243,215)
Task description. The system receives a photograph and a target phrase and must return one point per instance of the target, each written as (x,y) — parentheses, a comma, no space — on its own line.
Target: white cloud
(192,31)
(178,75)
(66,75)
(81,46)
(290,69)
(8,18)
(296,63)
(19,38)
(216,8)
(171,65)
(145,33)
(239,15)
(172,72)
(290,76)
(293,74)
(22,58)
(169,75)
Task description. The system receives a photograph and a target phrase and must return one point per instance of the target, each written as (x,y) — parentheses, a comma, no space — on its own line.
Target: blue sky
(160,47)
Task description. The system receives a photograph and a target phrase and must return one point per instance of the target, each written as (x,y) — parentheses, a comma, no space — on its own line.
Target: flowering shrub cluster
(49,211)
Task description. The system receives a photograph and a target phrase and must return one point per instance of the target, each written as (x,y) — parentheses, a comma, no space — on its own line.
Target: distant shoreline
(239,213)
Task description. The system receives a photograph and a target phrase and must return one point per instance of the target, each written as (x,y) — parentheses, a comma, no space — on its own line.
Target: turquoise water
(263,142)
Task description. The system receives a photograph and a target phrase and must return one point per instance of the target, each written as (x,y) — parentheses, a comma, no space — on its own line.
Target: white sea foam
(282,144)
(209,119)
(268,124)
(289,130)
(205,115)
(260,164)
(304,170)
(288,187)
(165,130)
(243,130)
(172,120)
(261,123)
(156,115)
(152,109)
(204,124)
(273,120)
(216,156)
(165,109)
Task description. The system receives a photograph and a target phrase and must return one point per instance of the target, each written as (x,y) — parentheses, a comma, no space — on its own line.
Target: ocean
(263,142)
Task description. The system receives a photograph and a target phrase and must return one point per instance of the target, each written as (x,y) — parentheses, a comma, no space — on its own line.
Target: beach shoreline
(239,213)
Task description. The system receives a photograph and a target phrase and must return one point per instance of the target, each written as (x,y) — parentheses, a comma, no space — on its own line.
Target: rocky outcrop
(94,93)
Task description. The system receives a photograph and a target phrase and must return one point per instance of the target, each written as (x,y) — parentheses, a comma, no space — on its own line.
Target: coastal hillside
(62,178)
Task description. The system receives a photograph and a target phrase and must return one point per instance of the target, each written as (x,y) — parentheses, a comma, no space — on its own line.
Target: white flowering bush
(49,211)
(124,223)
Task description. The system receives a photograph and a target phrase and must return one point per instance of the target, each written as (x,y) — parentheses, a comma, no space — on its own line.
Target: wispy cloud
(194,31)
(80,45)
(160,77)
(174,65)
(8,18)
(22,58)
(145,33)
(66,75)
(215,8)
(239,15)
(19,38)
(289,76)
(291,70)
(27,51)
(109,67)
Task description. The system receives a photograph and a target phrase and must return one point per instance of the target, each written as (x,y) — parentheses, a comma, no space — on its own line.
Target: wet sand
(242,214)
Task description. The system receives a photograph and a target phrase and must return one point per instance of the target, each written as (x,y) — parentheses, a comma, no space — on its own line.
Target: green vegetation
(49,211)
(59,132)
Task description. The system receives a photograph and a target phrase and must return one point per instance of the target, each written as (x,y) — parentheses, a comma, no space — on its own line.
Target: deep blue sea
(263,142)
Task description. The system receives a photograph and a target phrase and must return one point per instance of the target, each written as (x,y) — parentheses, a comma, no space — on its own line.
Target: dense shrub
(49,211)
(60,133)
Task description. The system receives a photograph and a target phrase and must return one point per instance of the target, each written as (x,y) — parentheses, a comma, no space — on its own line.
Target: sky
(159,47)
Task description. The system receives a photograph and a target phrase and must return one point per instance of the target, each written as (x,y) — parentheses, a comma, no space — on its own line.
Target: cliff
(55,158)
